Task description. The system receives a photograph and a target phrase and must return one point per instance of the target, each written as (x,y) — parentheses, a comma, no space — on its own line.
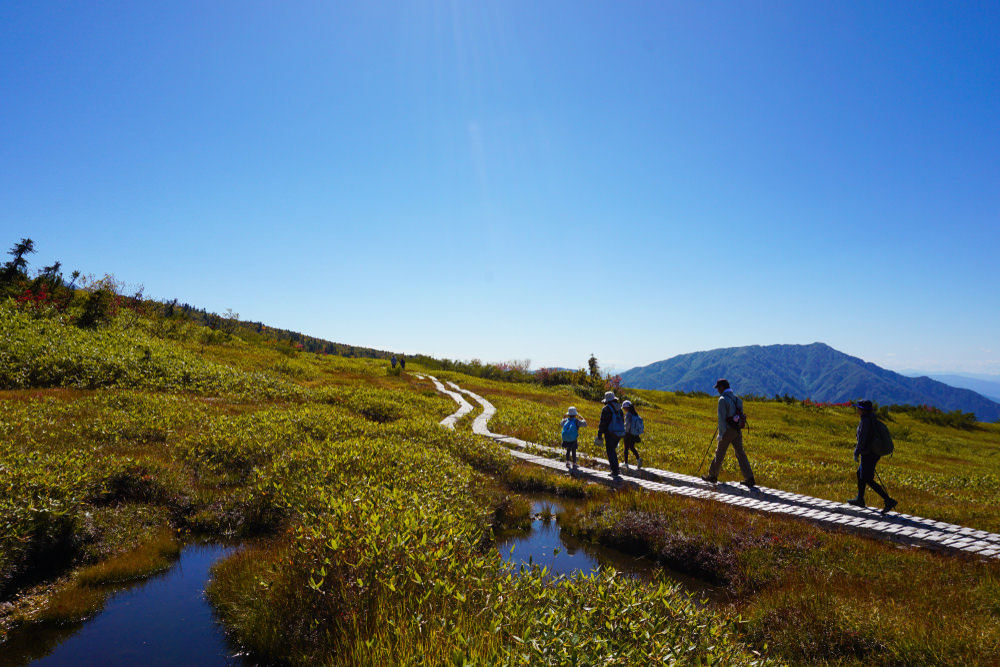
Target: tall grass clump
(387,578)
(151,556)
(41,501)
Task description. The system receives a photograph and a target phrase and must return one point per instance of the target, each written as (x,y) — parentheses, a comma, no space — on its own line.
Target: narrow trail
(893,527)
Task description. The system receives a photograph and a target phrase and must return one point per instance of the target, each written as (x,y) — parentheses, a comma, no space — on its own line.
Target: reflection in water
(541,544)
(164,621)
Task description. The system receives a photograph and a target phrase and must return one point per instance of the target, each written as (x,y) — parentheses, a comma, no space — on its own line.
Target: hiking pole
(882,482)
(698,474)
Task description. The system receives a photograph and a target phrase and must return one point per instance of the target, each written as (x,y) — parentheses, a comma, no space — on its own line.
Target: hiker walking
(633,429)
(868,458)
(394,361)
(571,423)
(611,429)
(729,433)
(402,363)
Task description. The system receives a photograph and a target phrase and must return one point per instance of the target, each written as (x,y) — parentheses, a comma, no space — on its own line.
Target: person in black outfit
(868,458)
(611,429)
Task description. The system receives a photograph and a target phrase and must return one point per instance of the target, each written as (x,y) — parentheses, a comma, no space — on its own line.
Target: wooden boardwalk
(900,528)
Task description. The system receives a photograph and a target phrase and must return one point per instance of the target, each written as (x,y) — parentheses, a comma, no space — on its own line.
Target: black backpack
(881,443)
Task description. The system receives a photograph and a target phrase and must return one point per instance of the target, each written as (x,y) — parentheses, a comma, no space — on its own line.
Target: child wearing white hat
(571,423)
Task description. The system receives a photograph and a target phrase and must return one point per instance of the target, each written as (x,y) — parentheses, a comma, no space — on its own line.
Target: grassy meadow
(367,528)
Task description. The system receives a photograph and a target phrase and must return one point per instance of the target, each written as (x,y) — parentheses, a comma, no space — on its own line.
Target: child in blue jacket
(570,424)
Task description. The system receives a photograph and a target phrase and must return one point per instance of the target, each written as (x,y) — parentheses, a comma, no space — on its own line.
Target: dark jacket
(866,431)
(606,413)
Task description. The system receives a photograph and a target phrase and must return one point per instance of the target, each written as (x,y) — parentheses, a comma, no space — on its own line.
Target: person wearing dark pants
(611,429)
(631,436)
(868,458)
(729,434)
(570,426)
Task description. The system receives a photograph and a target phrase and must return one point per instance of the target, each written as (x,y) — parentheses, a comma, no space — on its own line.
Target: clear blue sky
(524,180)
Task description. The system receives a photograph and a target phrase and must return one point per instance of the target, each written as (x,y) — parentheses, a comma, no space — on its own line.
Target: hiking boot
(638,461)
(889,504)
(749,483)
(710,479)
(857,502)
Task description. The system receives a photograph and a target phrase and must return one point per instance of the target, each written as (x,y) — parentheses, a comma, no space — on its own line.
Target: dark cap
(722,384)
(864,404)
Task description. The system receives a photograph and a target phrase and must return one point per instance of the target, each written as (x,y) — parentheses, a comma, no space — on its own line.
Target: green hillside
(367,528)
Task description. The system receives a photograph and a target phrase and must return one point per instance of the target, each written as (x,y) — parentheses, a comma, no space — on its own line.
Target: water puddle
(545,544)
(165,620)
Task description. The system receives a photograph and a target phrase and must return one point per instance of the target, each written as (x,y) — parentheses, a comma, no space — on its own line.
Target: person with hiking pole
(864,451)
(633,430)
(611,429)
(731,422)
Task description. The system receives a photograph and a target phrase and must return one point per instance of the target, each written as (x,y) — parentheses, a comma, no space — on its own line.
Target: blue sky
(524,180)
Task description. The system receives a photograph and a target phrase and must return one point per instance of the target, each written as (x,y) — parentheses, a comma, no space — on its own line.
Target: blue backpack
(617,423)
(570,430)
(637,426)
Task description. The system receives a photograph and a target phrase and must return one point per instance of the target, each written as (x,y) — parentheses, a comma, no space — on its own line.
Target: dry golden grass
(150,557)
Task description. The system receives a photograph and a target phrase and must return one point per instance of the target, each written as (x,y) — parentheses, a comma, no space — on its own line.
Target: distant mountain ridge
(990,388)
(815,371)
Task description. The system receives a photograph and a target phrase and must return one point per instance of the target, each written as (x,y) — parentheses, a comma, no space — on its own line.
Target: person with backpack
(611,429)
(571,423)
(865,450)
(731,423)
(633,429)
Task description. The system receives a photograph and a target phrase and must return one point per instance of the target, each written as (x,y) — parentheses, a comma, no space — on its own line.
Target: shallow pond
(165,620)
(545,544)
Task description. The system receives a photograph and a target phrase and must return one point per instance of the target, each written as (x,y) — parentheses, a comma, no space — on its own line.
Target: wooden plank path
(899,528)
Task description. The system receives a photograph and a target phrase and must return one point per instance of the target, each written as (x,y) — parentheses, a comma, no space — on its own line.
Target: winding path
(894,527)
